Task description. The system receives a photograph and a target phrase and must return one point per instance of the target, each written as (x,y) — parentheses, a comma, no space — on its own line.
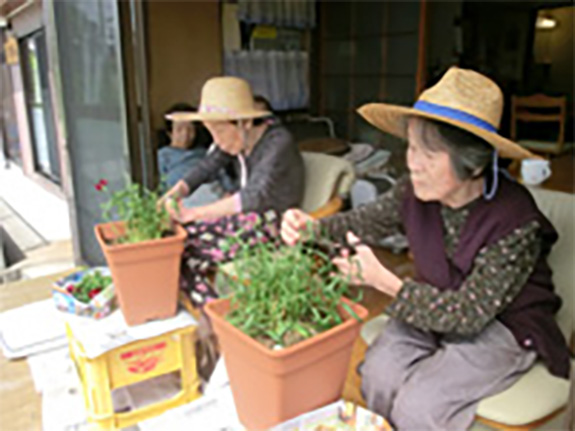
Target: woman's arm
(371,222)
(205,170)
(499,273)
(223,207)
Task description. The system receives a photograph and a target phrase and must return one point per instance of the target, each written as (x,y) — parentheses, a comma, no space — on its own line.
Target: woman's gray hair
(469,154)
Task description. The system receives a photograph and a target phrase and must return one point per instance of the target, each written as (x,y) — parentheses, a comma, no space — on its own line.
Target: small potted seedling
(143,250)
(286,332)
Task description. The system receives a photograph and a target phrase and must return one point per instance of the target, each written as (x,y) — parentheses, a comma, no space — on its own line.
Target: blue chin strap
(495,181)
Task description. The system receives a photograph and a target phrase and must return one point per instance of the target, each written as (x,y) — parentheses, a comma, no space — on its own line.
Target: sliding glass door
(39,105)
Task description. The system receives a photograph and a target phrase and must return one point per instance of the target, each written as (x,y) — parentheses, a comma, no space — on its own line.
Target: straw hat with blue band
(463,98)
(224,98)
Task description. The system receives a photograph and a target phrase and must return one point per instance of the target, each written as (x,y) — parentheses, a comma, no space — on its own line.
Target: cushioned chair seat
(325,177)
(534,396)
(372,328)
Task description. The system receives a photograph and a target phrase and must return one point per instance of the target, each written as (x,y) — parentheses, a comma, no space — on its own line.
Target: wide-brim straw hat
(224,98)
(463,98)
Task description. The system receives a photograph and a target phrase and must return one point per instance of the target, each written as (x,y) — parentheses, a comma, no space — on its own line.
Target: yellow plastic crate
(133,363)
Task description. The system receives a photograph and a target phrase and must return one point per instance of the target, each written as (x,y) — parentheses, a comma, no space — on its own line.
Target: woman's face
(226,135)
(431,172)
(183,134)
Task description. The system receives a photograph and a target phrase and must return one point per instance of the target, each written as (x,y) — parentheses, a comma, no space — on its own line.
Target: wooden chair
(540,108)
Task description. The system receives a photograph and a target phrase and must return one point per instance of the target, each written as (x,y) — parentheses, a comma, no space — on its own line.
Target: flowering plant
(89,286)
(138,207)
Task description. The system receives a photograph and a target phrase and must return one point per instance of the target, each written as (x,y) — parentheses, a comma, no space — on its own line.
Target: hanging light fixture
(545,23)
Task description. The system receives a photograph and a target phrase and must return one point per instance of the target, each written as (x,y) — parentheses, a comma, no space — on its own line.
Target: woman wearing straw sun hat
(263,154)
(269,167)
(480,310)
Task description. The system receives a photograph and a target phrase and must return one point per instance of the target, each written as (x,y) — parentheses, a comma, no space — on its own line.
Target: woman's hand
(177,192)
(181,214)
(364,268)
(295,226)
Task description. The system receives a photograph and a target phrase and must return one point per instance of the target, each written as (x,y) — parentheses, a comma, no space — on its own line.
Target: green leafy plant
(138,207)
(283,296)
(90,286)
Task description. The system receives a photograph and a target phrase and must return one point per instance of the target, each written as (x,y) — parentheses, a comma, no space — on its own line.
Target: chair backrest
(540,108)
(558,207)
(325,177)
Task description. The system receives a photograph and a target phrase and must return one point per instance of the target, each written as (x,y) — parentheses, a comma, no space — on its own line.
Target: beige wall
(554,47)
(185,48)
(562,51)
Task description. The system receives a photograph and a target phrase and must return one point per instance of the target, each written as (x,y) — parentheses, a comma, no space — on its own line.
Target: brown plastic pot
(272,386)
(145,274)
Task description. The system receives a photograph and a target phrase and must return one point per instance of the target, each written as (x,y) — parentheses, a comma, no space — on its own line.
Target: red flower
(101,184)
(71,288)
(93,293)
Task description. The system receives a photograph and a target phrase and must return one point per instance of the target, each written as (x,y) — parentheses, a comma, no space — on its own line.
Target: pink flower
(217,254)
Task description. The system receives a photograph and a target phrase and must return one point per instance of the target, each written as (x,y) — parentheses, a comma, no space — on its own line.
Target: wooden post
(422,48)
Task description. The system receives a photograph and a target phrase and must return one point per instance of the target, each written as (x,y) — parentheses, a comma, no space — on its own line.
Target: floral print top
(499,271)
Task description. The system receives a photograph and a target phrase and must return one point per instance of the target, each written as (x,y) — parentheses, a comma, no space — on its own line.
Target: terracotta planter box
(271,386)
(145,274)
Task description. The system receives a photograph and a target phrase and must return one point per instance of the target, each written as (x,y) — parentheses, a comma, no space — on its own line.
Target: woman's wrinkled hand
(296,226)
(181,214)
(364,267)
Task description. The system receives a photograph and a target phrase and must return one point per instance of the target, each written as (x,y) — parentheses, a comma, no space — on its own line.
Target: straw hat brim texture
(216,116)
(393,119)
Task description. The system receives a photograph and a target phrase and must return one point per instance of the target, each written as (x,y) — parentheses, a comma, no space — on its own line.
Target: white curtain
(280,13)
(279,76)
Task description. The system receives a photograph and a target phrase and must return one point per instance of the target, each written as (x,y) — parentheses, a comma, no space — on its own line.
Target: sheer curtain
(280,76)
(280,13)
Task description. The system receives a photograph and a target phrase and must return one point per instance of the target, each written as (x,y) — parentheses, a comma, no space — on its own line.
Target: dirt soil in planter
(114,241)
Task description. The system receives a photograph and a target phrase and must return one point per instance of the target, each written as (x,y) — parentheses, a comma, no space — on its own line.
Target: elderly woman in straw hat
(270,171)
(480,310)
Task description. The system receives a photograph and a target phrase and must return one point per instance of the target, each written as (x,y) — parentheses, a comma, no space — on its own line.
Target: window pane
(338,22)
(402,54)
(94,107)
(403,16)
(368,57)
(369,17)
(336,93)
(338,56)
